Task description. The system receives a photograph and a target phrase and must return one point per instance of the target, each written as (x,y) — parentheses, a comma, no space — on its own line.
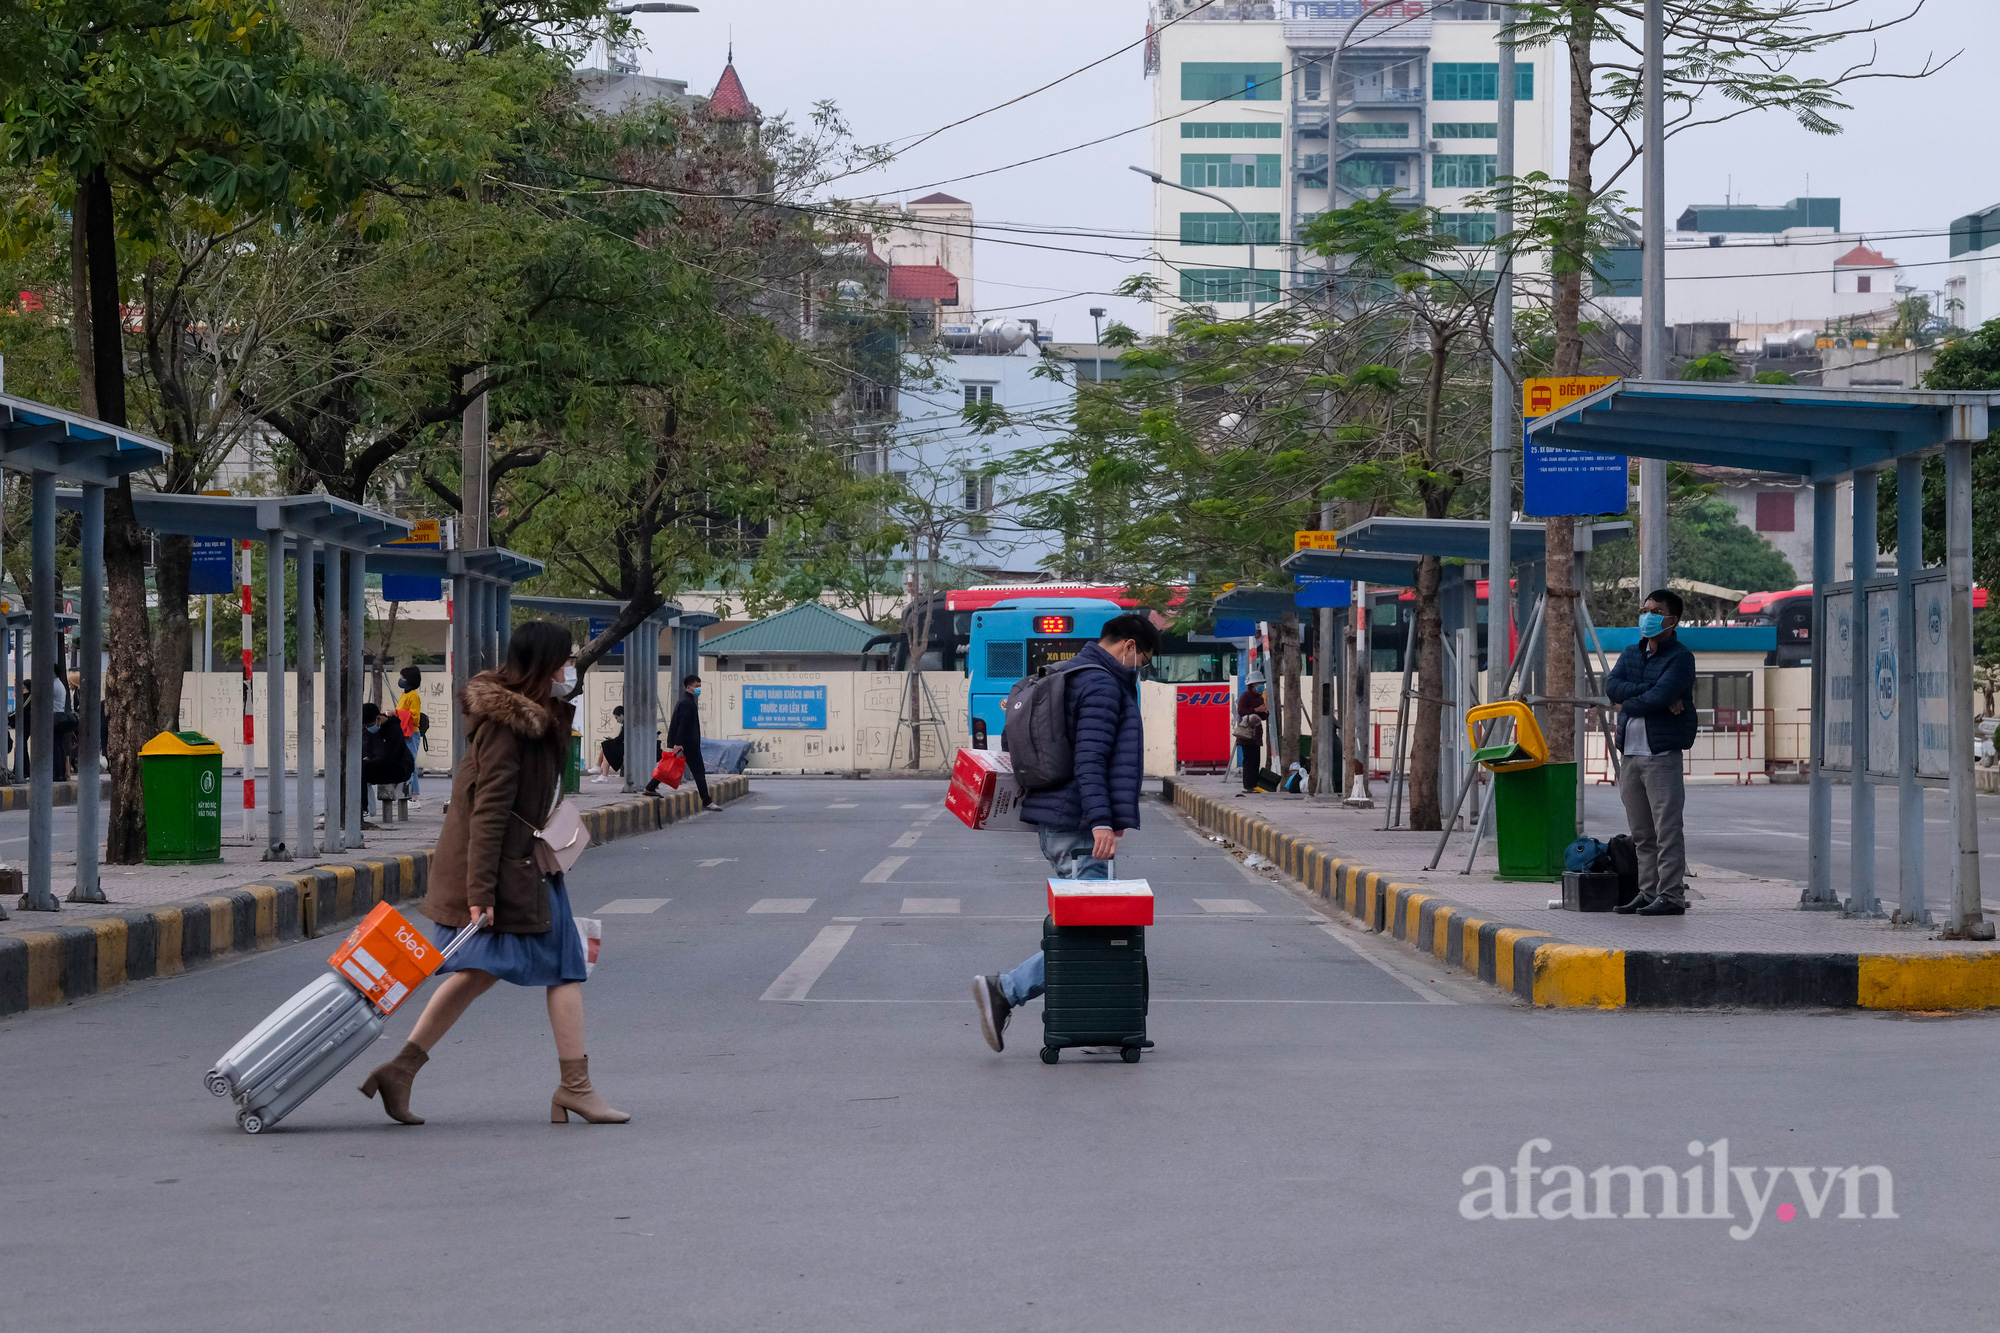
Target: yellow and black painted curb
(1544,970)
(15,797)
(52,967)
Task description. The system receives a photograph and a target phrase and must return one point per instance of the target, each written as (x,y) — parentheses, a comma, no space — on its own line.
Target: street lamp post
(650,7)
(1097,341)
(1248,239)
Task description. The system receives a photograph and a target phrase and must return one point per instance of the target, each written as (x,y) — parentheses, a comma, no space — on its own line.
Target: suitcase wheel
(1129,1054)
(250,1122)
(217,1084)
(1051,1054)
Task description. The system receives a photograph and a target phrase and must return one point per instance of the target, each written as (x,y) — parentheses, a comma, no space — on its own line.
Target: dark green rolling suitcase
(1095,989)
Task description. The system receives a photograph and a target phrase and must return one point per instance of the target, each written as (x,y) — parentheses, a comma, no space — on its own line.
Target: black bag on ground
(1624,863)
(1095,989)
(1036,735)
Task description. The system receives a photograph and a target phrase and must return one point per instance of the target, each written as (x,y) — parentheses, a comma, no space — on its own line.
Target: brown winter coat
(501,792)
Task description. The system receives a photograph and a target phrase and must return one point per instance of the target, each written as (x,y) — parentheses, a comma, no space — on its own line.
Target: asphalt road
(1291,1156)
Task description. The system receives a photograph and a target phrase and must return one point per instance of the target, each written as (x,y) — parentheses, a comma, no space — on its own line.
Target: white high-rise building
(1243,91)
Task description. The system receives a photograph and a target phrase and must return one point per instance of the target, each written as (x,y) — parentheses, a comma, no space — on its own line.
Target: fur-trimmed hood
(485,697)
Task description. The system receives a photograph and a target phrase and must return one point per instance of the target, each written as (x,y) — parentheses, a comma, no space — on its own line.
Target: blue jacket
(1110,749)
(1646,684)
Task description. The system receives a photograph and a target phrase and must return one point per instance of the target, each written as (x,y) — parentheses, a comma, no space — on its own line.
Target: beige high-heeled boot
(393,1081)
(576,1094)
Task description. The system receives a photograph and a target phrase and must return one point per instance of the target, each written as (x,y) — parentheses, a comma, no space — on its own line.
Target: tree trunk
(131,691)
(1558,629)
(1291,714)
(1426,810)
(79,301)
(1567,297)
(174,635)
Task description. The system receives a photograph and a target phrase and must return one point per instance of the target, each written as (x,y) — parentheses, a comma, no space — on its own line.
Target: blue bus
(1018,638)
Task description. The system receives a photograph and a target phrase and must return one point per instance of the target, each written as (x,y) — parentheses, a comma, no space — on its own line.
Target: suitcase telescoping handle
(458,940)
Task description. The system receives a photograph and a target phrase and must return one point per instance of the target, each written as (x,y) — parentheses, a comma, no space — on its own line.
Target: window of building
(1463,171)
(1467,228)
(1223,229)
(1206,129)
(1724,700)
(1477,11)
(1863,283)
(1366,173)
(1236,81)
(1223,286)
(1375,129)
(978,492)
(978,393)
(1466,129)
(1220,171)
(1461,82)
(1777,511)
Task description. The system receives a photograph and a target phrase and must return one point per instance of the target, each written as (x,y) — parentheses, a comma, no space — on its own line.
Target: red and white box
(1101,902)
(984,794)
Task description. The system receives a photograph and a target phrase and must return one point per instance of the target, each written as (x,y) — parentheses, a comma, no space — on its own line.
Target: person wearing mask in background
(487,878)
(1080,822)
(1653,686)
(385,759)
(410,711)
(611,750)
(684,738)
(1252,714)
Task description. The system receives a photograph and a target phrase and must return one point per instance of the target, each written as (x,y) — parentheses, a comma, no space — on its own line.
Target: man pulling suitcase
(1081,819)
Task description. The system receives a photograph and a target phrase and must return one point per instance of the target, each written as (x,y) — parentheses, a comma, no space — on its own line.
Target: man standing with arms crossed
(1081,821)
(1653,686)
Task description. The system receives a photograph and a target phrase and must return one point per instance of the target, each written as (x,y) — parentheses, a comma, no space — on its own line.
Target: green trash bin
(572,779)
(181,774)
(1534,812)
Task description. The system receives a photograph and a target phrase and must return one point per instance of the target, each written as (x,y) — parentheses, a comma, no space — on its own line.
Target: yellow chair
(1526,750)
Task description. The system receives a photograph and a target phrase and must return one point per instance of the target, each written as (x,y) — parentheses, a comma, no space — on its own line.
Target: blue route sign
(1319,592)
(211,571)
(784,707)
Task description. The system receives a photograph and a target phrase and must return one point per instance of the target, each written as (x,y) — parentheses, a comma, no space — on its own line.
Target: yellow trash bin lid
(179,742)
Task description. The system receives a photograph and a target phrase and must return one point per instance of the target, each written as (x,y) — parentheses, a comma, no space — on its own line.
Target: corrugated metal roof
(806,628)
(909,282)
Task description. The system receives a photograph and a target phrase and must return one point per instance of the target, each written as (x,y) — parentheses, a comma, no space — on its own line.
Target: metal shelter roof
(805,628)
(1466,539)
(485,562)
(319,518)
(1819,434)
(35,437)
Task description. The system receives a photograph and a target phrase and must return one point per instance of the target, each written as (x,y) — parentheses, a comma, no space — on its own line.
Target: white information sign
(1934,631)
(1838,705)
(1884,686)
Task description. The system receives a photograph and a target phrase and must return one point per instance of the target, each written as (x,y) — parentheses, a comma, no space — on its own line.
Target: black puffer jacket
(1646,685)
(1110,750)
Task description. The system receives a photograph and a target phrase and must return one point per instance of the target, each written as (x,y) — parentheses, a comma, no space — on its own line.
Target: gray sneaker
(994,1010)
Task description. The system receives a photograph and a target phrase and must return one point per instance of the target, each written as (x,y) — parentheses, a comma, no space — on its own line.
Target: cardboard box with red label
(386,957)
(984,794)
(1101,902)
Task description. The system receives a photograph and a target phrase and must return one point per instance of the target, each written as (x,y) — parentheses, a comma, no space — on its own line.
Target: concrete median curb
(1545,970)
(53,967)
(15,797)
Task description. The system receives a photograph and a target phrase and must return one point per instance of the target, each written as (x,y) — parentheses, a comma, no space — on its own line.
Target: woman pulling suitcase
(488,878)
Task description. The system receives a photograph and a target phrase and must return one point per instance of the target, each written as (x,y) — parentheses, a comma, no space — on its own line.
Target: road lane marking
(1237,906)
(930,907)
(714,861)
(925,806)
(634,906)
(795,981)
(880,874)
(772,905)
(1419,987)
(843,805)
(908,839)
(756,808)
(925,819)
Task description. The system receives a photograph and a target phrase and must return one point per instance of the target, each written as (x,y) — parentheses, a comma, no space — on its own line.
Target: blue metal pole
(331,600)
(1861,790)
(357,622)
(40,896)
(274,696)
(89,813)
(305,551)
(1909,792)
(1819,895)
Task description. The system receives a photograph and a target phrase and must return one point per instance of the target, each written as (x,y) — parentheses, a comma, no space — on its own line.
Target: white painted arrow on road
(714,861)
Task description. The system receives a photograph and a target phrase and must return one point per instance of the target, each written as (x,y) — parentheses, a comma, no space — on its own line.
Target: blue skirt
(549,959)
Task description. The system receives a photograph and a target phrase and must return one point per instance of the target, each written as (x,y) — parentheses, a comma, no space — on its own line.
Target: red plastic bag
(671,769)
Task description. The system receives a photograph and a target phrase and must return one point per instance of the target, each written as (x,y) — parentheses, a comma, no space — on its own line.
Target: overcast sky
(1914,156)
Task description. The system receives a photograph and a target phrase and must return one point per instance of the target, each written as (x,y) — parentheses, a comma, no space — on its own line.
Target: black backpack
(1036,734)
(1623,859)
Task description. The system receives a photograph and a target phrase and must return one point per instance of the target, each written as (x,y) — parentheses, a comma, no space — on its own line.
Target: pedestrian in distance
(385,760)
(410,711)
(487,877)
(1252,716)
(684,738)
(611,750)
(1081,822)
(1653,686)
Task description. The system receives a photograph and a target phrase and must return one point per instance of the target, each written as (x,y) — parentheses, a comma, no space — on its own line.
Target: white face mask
(568,677)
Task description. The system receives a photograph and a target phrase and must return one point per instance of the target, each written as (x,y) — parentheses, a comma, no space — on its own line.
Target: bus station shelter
(641,696)
(1892,657)
(51,446)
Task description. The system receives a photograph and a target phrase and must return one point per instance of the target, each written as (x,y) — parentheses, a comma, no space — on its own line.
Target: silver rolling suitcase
(306,1041)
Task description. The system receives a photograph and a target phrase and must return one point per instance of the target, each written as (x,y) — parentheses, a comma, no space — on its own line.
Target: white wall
(212,703)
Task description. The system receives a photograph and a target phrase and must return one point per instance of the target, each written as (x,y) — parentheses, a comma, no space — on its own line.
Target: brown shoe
(393,1082)
(576,1094)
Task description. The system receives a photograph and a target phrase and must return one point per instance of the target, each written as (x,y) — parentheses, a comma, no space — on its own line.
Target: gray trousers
(1655,800)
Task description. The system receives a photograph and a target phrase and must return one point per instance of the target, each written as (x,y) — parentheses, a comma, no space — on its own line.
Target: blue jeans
(1069,855)
(416,767)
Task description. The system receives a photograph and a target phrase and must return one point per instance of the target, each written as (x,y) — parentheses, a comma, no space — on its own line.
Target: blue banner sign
(1319,592)
(785,707)
(211,571)
(1570,481)
(599,624)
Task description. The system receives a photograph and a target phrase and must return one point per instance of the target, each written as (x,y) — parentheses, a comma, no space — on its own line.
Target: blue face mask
(1652,624)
